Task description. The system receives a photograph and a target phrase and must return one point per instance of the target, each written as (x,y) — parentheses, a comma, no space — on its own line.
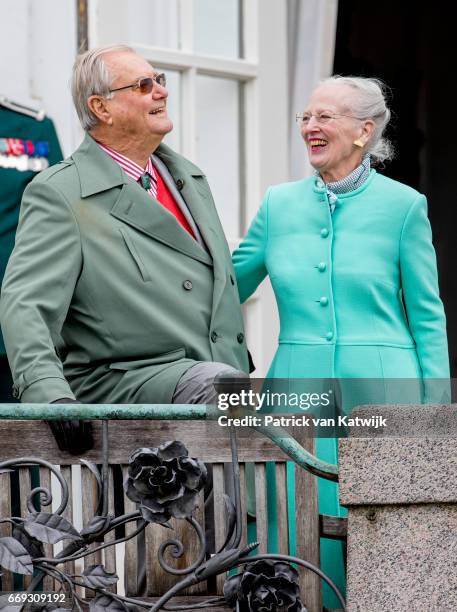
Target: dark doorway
(412,47)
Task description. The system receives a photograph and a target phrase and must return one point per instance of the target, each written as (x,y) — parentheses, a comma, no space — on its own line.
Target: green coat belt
(106,291)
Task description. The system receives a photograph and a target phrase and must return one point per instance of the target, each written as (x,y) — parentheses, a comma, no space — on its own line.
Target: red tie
(167,200)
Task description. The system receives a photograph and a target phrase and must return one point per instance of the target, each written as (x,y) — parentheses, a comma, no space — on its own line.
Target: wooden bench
(204,440)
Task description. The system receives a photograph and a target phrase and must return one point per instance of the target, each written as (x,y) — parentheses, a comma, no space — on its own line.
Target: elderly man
(120,288)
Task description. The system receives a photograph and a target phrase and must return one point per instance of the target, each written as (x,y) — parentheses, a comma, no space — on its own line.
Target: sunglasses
(146,84)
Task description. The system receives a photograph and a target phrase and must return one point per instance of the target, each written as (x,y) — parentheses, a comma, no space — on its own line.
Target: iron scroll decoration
(164,482)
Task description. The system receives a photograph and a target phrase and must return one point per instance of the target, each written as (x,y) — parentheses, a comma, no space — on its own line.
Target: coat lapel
(198,198)
(98,172)
(136,208)
(187,175)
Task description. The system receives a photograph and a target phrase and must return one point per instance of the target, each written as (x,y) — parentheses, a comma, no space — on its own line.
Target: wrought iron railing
(164,482)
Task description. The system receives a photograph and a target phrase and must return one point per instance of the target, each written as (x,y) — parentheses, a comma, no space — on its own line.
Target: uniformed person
(28,144)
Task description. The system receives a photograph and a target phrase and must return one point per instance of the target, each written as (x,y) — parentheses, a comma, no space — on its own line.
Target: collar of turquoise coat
(319,188)
(98,172)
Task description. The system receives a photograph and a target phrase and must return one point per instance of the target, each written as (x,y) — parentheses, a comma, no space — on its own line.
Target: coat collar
(177,164)
(319,186)
(98,172)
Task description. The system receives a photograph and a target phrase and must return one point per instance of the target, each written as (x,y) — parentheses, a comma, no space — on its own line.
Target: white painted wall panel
(37,50)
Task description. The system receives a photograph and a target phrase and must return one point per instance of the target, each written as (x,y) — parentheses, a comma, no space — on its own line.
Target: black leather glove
(73,436)
(252,367)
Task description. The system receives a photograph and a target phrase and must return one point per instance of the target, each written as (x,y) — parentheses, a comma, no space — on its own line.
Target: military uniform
(27,146)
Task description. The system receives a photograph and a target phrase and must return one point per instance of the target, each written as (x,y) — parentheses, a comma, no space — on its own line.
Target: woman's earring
(358,143)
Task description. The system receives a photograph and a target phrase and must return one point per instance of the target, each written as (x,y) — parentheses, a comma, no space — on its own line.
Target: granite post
(399,483)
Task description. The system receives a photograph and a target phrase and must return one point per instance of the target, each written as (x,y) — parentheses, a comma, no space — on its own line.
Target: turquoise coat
(357,295)
(360,284)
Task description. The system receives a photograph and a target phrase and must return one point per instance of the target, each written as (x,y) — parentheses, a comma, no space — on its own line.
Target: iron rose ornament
(264,586)
(165,481)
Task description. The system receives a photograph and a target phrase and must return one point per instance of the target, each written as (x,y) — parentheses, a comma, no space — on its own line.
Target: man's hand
(73,436)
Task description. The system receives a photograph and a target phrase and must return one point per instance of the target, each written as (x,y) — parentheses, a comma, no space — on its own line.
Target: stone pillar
(399,483)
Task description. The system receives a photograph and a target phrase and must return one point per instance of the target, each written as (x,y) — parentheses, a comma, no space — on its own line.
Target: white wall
(37,50)
(312,29)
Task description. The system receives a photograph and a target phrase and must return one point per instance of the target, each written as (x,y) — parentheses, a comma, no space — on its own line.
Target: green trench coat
(357,296)
(106,297)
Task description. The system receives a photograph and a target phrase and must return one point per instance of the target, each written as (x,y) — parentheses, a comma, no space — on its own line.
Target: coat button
(240,338)
(324,232)
(323,301)
(329,336)
(214,336)
(322,267)
(187,284)
(179,184)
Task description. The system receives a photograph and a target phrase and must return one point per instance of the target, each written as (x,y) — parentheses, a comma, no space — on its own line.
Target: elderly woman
(350,257)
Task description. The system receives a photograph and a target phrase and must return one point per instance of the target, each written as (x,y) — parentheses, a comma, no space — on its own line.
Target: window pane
(217,27)
(154,22)
(173,139)
(218,146)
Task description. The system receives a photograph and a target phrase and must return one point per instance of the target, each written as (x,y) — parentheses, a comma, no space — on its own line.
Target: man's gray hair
(91,77)
(369,102)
